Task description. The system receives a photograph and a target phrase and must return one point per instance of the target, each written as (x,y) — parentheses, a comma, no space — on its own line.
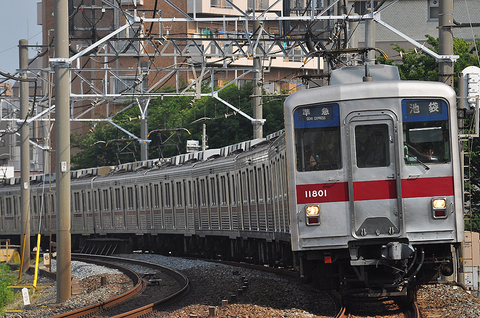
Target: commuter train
(362,188)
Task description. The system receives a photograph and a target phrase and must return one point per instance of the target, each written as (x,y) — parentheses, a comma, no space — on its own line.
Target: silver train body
(375,182)
(229,203)
(350,194)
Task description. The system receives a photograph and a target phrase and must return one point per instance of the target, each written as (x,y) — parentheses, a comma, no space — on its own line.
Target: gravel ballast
(267,294)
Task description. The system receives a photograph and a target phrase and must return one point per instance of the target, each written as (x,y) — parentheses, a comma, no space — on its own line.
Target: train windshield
(317,138)
(425,132)
(371,146)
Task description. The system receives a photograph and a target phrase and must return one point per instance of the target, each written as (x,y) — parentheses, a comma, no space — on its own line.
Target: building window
(363,7)
(220,4)
(131,85)
(433,10)
(259,5)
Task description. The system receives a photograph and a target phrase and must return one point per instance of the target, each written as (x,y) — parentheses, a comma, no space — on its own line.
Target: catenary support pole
(62,151)
(24,155)
(257,87)
(445,41)
(370,38)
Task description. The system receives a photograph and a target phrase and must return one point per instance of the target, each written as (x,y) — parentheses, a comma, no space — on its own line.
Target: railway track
(363,306)
(157,285)
(209,291)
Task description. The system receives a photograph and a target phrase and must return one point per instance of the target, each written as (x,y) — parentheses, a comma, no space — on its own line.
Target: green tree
(107,145)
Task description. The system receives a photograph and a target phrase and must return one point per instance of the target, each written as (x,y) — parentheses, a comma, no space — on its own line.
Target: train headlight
(313,214)
(439,208)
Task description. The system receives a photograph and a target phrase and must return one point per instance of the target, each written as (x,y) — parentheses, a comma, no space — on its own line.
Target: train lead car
(374,182)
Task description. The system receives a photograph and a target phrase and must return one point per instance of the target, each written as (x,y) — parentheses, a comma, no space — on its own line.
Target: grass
(7,278)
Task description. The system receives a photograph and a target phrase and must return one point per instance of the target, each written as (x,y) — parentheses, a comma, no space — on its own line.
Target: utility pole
(257,87)
(62,143)
(24,154)
(143,135)
(445,41)
(370,38)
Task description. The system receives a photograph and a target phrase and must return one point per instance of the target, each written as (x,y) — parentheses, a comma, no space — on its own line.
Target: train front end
(375,186)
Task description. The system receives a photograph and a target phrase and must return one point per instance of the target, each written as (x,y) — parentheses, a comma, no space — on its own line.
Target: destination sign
(424,107)
(424,110)
(316,116)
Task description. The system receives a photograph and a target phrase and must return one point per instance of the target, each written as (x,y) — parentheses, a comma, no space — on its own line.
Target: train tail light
(313,215)
(439,208)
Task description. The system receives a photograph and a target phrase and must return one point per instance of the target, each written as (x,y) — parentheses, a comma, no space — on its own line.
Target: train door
(374,184)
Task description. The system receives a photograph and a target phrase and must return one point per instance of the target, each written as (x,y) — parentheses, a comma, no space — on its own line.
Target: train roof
(143,166)
(368,90)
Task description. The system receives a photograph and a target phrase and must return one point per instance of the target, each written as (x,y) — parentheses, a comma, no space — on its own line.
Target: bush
(7,278)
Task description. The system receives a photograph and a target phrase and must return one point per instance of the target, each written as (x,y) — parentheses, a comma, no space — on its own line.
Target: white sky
(18,20)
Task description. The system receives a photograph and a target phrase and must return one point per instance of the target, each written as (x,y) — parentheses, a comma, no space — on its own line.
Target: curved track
(111,308)
(357,307)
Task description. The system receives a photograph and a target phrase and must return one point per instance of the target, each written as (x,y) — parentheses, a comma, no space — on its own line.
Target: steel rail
(182,279)
(138,288)
(137,282)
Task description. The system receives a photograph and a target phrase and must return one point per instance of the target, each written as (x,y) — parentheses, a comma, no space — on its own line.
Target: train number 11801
(315,193)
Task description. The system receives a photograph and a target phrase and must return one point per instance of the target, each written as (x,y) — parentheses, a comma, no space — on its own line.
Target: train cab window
(425,132)
(317,138)
(371,146)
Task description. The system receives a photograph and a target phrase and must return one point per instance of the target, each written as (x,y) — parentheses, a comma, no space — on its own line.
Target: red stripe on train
(427,187)
(374,190)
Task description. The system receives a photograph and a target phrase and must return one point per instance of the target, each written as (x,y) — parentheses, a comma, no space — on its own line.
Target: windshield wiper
(416,157)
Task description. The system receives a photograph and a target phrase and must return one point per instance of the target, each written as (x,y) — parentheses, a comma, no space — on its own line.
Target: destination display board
(424,110)
(316,116)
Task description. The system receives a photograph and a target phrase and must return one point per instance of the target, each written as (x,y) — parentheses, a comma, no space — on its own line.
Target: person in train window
(428,152)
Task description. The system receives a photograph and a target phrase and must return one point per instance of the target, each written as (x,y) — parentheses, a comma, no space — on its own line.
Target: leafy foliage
(170,120)
(7,278)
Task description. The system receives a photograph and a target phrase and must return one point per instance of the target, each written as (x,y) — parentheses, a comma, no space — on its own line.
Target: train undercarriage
(390,269)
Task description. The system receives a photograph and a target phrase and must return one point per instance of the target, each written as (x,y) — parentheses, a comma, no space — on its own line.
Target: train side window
(223,188)
(2,207)
(156,196)
(371,146)
(15,206)
(117,199)
(167,194)
(189,192)
(130,198)
(194,193)
(76,201)
(95,201)
(179,194)
(142,198)
(83,201)
(203,196)
(89,201)
(213,191)
(147,199)
(8,202)
(105,200)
